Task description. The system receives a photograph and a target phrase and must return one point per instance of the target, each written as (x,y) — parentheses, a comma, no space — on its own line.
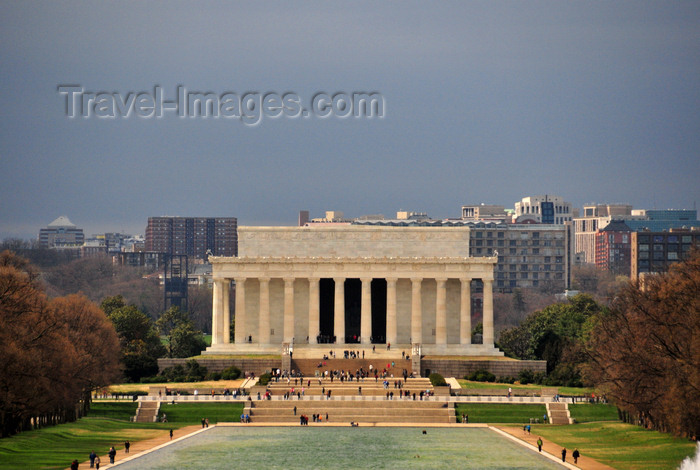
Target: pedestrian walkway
(584,462)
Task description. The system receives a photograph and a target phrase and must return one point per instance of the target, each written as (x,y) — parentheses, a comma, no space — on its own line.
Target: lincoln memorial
(314,288)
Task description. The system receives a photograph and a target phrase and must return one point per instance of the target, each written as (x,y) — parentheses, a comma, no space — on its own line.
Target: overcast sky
(483,102)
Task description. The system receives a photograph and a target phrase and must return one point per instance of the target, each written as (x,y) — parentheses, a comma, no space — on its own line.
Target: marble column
(339,310)
(314,310)
(465,312)
(488,312)
(391,310)
(240,329)
(226,323)
(441,312)
(217,312)
(416,311)
(288,335)
(264,327)
(366,311)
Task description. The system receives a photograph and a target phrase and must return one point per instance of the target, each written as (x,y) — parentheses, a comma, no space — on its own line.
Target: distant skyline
(483,102)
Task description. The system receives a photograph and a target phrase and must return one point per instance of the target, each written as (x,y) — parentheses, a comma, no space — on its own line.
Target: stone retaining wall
(459,368)
(257,366)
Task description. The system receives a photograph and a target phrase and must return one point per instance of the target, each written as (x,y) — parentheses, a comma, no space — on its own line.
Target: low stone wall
(459,368)
(257,366)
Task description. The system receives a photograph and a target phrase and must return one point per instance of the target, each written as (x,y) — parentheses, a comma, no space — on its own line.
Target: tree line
(641,349)
(55,351)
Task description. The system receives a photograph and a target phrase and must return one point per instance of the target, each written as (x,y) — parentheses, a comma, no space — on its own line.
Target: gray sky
(484,102)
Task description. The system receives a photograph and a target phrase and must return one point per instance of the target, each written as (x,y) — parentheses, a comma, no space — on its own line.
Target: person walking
(576,454)
(112,453)
(92,457)
(127,444)
(539,444)
(171,434)
(97,462)
(563,455)
(295,411)
(74,465)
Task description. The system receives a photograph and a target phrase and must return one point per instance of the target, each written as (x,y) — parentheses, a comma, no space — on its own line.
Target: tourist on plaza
(93,455)
(539,444)
(112,453)
(563,455)
(576,454)
(127,444)
(97,462)
(171,434)
(74,465)
(295,411)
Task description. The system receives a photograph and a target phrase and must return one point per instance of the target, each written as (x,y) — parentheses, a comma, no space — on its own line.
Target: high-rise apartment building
(193,236)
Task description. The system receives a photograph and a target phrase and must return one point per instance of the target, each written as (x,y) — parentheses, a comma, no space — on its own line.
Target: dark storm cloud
(485,102)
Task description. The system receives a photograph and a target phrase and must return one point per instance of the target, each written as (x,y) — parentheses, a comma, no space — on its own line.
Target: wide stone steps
(309,367)
(364,411)
(558,413)
(370,387)
(147,412)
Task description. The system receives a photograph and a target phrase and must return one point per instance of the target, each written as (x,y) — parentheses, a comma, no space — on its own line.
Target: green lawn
(499,413)
(113,409)
(55,447)
(562,390)
(192,413)
(585,413)
(108,424)
(619,445)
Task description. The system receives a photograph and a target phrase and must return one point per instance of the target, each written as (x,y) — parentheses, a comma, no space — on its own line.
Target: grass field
(585,413)
(123,410)
(108,424)
(55,447)
(562,390)
(499,413)
(620,445)
(192,413)
(218,384)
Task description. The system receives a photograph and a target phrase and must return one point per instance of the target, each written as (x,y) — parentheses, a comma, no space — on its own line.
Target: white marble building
(353,286)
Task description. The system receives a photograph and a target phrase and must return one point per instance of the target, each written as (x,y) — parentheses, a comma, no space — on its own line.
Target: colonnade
(221,314)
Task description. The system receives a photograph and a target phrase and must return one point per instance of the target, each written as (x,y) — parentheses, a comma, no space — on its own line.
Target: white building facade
(351,286)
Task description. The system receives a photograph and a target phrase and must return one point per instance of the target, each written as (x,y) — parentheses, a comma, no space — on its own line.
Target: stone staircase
(360,411)
(347,404)
(318,387)
(147,412)
(309,367)
(558,413)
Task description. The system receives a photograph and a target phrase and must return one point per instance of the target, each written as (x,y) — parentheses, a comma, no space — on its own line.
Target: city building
(595,217)
(192,236)
(300,287)
(486,213)
(529,255)
(61,233)
(547,209)
(613,246)
(654,252)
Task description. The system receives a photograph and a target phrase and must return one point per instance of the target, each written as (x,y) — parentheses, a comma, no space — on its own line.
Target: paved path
(585,463)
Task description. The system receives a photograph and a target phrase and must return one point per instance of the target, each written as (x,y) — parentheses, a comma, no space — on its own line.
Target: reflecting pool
(342,448)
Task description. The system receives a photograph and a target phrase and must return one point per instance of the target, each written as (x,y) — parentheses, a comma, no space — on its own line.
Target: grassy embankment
(108,424)
(619,445)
